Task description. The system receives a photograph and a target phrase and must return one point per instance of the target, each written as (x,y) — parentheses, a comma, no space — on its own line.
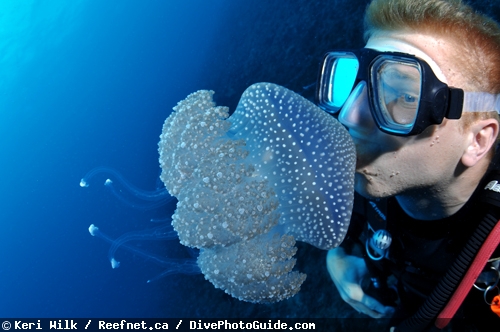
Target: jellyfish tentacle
(175,266)
(131,236)
(161,220)
(171,265)
(130,195)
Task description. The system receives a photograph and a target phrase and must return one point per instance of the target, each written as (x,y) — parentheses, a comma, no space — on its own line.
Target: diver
(421,102)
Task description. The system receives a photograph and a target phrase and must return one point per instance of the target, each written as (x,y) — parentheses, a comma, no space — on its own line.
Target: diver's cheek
(371,149)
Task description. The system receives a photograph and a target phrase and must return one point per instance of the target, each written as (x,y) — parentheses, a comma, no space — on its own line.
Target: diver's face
(390,165)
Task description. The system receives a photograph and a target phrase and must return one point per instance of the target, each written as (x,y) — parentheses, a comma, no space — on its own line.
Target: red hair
(476,36)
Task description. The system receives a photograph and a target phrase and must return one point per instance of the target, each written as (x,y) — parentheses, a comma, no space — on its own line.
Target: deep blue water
(85,84)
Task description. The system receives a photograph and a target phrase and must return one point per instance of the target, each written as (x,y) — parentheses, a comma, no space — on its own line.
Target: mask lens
(341,70)
(397,85)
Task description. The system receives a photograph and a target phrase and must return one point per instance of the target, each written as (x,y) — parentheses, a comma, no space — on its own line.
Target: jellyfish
(249,185)
(278,170)
(130,195)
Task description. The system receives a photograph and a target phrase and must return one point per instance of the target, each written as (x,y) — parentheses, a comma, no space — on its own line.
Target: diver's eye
(410,98)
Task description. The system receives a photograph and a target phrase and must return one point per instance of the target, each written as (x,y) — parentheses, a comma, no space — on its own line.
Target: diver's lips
(365,146)
(366,172)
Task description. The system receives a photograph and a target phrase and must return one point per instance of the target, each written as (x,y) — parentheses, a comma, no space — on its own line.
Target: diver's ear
(483,135)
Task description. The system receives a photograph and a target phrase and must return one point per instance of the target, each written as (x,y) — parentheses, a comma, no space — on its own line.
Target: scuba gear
(495,305)
(451,285)
(405,96)
(488,246)
(378,244)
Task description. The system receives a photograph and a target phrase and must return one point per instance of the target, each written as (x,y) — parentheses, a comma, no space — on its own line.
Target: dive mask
(405,96)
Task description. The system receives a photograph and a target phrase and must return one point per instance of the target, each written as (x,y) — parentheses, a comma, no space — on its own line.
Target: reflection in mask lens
(343,77)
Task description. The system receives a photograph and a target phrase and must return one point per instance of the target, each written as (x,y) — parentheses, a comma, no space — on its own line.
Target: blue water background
(84,84)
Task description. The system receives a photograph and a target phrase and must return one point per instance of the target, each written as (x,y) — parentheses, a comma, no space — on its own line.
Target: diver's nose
(355,113)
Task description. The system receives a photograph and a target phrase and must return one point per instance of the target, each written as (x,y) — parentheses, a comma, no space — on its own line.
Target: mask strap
(481,102)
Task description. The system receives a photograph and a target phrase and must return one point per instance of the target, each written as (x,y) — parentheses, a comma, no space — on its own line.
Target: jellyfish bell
(248,186)
(307,156)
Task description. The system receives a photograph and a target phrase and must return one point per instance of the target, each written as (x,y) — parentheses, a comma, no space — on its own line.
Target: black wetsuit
(420,254)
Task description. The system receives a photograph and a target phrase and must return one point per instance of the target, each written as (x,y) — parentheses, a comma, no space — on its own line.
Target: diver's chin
(365,185)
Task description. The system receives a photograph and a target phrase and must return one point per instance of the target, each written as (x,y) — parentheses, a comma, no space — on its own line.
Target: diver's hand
(347,272)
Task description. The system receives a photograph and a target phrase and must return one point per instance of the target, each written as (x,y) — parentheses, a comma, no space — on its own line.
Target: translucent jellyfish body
(278,170)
